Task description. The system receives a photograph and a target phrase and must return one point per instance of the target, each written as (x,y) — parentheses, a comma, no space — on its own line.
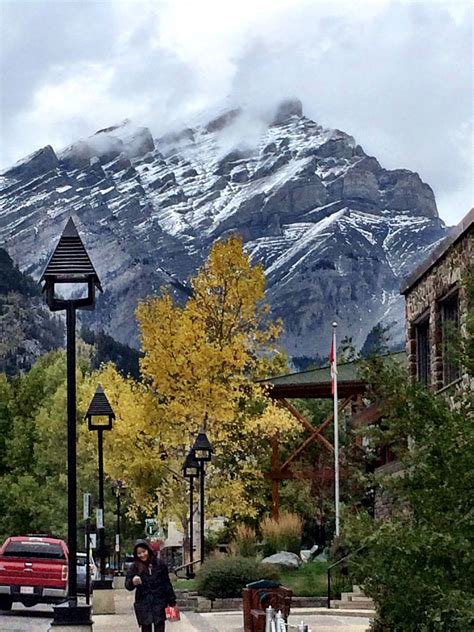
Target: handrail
(190,574)
(330,568)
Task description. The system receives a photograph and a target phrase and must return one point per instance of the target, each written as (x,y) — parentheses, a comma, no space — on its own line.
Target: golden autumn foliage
(199,368)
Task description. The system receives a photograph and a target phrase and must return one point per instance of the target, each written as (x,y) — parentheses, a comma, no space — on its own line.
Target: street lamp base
(71,617)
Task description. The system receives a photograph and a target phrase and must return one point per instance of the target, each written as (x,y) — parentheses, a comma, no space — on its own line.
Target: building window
(450,338)
(423,352)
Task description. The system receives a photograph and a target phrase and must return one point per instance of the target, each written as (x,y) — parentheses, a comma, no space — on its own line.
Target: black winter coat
(155,592)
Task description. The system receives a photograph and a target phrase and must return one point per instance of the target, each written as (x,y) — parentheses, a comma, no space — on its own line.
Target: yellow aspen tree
(199,368)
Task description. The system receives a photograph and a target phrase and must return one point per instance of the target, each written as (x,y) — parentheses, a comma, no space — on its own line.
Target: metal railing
(188,568)
(340,577)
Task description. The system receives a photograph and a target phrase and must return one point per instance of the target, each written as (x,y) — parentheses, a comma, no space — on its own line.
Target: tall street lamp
(99,417)
(118,489)
(191,470)
(70,264)
(202,453)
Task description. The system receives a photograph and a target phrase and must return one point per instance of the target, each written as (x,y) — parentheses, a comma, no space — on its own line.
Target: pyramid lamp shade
(202,448)
(70,264)
(100,414)
(190,466)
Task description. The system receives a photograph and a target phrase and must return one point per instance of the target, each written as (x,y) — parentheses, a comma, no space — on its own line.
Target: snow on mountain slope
(334,230)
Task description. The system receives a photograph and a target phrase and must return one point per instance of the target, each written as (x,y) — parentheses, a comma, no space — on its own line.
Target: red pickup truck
(33,570)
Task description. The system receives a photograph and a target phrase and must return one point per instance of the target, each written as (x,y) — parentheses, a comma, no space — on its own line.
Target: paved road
(38,619)
(22,619)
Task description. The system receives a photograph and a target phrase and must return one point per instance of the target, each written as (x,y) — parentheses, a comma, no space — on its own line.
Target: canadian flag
(332,362)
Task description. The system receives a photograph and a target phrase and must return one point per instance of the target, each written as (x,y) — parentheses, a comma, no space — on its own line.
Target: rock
(223,121)
(240,175)
(296,197)
(335,147)
(286,109)
(226,164)
(308,554)
(36,164)
(360,184)
(405,191)
(284,559)
(78,155)
(139,143)
(270,149)
(167,179)
(186,134)
(190,173)
(121,163)
(271,165)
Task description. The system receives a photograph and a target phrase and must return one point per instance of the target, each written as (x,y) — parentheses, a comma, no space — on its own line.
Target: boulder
(309,554)
(285,559)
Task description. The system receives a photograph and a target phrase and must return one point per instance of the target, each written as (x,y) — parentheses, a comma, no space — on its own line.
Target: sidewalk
(124,620)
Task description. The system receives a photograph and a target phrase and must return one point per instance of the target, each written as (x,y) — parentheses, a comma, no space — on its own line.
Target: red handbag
(172,613)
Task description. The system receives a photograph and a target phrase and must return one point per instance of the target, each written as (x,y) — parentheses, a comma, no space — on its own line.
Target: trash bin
(257,596)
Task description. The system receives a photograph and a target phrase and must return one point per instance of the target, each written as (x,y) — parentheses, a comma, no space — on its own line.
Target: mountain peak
(333,229)
(286,109)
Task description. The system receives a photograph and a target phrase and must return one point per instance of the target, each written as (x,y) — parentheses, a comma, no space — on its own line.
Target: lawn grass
(183,584)
(310,580)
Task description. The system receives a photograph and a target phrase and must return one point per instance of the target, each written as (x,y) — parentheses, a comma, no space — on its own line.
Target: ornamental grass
(245,541)
(282,534)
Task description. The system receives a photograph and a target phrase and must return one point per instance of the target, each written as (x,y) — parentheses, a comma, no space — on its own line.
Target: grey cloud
(39,36)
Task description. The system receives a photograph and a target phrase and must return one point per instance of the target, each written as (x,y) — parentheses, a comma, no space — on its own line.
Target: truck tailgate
(47,573)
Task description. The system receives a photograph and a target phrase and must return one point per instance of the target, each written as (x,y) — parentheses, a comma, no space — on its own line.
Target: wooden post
(275,481)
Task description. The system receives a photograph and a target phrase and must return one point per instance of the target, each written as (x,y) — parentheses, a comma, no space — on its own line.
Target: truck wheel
(5,603)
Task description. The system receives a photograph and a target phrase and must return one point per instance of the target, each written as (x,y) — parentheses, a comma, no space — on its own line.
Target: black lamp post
(70,264)
(202,452)
(99,417)
(191,470)
(118,488)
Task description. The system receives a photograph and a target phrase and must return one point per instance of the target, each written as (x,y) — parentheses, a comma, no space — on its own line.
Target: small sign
(117,539)
(93,537)
(150,526)
(99,514)
(87,506)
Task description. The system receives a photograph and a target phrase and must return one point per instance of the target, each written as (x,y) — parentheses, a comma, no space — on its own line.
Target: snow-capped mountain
(333,229)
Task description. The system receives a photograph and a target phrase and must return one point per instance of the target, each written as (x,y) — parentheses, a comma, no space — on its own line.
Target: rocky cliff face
(333,228)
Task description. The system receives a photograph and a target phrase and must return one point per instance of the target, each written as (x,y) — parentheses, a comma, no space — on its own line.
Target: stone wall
(423,299)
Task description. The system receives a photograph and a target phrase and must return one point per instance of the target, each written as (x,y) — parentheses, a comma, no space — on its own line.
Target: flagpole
(336,429)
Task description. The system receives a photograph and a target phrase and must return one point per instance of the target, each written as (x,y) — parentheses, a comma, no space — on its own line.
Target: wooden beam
(315,433)
(296,413)
(324,475)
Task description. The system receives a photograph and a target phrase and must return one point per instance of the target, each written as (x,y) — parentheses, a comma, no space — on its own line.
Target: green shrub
(245,541)
(225,577)
(283,534)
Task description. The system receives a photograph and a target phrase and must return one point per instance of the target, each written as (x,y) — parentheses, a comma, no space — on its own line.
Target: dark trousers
(154,627)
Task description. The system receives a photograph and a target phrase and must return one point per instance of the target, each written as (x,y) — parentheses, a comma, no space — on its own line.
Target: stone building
(436,308)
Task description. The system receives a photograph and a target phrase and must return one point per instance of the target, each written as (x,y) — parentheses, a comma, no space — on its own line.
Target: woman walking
(149,577)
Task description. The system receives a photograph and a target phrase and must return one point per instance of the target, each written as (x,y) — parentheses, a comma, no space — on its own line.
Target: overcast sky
(396,75)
